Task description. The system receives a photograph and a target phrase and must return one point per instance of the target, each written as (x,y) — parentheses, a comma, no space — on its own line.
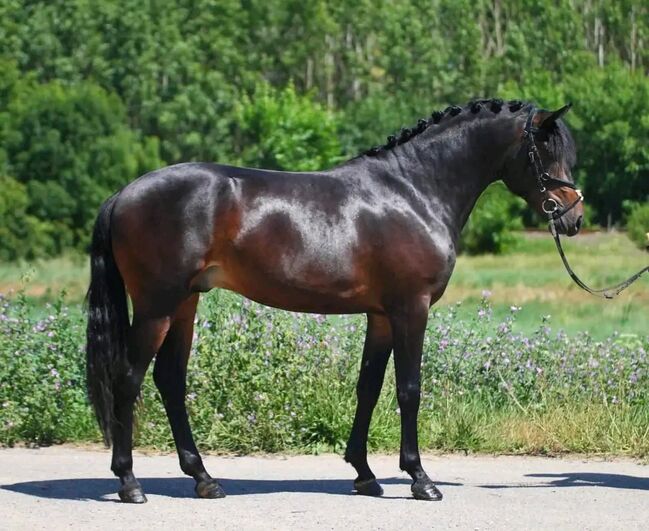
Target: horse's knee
(409,396)
(370,379)
(368,387)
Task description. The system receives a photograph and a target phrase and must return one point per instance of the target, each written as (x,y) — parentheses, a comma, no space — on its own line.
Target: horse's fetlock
(122,466)
(190,463)
(355,455)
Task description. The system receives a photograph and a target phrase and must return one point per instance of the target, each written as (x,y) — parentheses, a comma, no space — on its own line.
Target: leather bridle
(554,211)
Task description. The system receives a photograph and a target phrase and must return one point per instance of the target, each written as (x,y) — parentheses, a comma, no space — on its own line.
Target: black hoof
(426,490)
(368,487)
(209,489)
(132,493)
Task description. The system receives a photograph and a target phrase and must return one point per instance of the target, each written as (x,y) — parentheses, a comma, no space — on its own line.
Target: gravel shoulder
(72,488)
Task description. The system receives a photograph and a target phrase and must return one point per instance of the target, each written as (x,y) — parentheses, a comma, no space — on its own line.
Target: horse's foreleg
(169,374)
(145,337)
(409,326)
(376,352)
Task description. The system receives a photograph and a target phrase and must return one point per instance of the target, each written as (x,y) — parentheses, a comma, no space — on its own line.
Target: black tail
(108,321)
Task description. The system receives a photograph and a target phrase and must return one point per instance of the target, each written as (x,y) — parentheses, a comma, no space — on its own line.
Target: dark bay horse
(377,234)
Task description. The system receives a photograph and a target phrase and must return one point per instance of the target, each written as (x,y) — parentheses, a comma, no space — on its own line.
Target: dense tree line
(93,94)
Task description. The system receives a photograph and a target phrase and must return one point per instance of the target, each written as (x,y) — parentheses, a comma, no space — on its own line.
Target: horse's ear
(548,119)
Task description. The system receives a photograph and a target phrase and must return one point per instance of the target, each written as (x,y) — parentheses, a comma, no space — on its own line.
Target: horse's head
(538,168)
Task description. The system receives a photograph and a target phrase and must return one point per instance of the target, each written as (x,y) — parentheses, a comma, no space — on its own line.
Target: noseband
(554,211)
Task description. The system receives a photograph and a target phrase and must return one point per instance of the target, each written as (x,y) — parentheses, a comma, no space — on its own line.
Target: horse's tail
(108,321)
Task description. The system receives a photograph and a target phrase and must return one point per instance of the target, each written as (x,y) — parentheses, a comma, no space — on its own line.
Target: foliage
(94,93)
(492,222)
(70,148)
(637,224)
(21,235)
(611,127)
(260,379)
(281,130)
(42,396)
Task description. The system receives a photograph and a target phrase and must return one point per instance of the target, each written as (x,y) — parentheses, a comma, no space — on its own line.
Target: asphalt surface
(72,488)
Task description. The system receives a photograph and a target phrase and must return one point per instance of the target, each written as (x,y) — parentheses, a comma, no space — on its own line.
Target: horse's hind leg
(169,374)
(376,352)
(144,338)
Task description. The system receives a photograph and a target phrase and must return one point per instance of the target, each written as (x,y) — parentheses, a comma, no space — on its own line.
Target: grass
(530,275)
(262,380)
(495,379)
(43,280)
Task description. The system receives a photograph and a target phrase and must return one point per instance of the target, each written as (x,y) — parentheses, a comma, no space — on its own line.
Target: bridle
(549,205)
(554,211)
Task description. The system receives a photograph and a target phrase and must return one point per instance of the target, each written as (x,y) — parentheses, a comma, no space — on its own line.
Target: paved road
(71,488)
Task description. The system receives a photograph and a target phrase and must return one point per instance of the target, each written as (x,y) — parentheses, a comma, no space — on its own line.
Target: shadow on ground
(100,489)
(580,479)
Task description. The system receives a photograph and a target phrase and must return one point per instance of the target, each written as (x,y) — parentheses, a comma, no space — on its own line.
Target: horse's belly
(311,302)
(315,289)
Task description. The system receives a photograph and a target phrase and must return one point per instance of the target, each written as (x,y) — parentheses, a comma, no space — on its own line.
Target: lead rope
(554,212)
(606,293)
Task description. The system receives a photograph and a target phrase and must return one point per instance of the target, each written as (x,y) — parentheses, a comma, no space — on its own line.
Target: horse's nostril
(578,222)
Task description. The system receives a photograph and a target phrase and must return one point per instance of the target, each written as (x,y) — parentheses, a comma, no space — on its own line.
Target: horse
(377,234)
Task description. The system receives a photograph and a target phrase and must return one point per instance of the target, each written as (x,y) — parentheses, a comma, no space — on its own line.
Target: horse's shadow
(178,487)
(582,479)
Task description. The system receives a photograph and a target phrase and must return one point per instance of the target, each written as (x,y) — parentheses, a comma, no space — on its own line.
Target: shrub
(492,222)
(21,234)
(282,130)
(264,380)
(637,224)
(71,148)
(42,391)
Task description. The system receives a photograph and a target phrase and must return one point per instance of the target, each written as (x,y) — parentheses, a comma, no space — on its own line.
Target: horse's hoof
(368,487)
(425,489)
(132,493)
(209,489)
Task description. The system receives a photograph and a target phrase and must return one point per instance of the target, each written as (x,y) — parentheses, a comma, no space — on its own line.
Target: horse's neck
(452,170)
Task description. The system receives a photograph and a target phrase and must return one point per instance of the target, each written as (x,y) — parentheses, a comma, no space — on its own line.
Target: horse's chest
(419,261)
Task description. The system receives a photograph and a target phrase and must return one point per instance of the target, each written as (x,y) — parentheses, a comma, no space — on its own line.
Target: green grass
(530,275)
(292,388)
(43,280)
(263,380)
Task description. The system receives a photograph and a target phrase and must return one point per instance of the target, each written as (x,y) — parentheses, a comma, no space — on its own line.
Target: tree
(71,149)
(278,129)
(21,234)
(130,84)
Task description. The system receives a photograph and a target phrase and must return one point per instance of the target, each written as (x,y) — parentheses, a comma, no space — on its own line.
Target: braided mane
(475,106)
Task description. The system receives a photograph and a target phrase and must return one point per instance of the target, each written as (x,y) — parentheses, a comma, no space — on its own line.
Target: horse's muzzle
(568,227)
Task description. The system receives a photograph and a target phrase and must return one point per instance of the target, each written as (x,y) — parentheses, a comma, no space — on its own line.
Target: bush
(71,149)
(491,224)
(265,380)
(637,224)
(42,391)
(281,130)
(610,125)
(21,234)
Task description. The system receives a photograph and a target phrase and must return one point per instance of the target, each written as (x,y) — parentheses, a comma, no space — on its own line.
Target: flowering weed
(265,380)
